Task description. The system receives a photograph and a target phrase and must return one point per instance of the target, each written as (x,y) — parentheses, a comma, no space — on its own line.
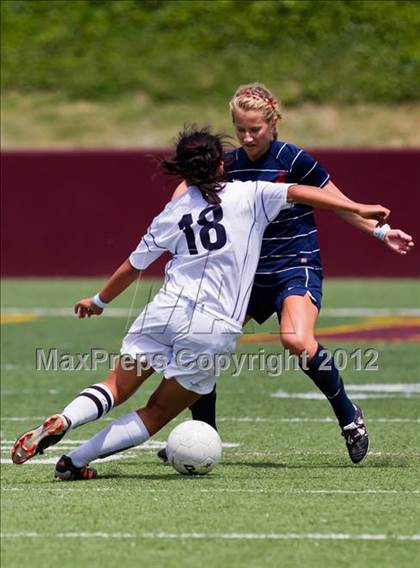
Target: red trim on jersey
(281,178)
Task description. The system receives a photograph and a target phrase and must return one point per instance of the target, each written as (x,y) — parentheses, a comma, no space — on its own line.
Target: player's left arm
(395,239)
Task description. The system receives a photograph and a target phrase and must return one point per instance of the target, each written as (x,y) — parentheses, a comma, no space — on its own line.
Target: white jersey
(215,248)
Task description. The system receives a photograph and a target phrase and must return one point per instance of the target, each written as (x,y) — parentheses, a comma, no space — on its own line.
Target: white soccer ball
(194,448)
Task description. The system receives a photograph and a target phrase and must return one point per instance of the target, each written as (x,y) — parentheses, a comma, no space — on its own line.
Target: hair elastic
(257,96)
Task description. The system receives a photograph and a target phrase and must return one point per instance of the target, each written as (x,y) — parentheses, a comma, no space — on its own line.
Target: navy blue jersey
(290,241)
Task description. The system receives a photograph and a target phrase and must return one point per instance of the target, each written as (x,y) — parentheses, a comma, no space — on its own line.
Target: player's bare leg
(168,400)
(297,327)
(123,383)
(92,403)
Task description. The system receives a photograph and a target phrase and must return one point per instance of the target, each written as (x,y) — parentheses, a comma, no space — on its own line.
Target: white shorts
(180,340)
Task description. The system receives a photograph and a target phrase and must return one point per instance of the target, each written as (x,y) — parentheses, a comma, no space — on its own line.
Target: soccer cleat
(356,437)
(162,455)
(66,471)
(36,441)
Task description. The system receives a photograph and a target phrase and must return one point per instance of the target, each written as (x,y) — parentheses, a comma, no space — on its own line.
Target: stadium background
(92,93)
(128,74)
(98,204)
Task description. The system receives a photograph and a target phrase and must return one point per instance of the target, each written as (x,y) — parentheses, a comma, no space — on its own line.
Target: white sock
(121,434)
(92,403)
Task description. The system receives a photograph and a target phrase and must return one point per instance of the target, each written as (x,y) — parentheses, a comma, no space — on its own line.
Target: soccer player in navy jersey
(288,280)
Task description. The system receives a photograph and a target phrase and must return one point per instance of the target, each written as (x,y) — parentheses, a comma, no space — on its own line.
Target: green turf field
(285,493)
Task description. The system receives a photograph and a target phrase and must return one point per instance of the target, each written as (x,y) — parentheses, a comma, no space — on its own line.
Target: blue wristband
(380,231)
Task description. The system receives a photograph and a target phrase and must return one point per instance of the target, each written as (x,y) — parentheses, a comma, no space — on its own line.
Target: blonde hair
(256,96)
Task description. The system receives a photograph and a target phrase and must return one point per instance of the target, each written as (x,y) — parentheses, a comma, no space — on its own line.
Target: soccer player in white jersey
(214,232)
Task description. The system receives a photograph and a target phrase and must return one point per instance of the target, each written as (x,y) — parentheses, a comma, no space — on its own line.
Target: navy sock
(330,383)
(204,409)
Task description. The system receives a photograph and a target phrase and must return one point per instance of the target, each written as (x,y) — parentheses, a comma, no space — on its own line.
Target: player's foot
(356,437)
(36,441)
(162,455)
(66,471)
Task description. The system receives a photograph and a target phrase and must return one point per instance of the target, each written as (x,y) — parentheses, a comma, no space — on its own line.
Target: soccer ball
(194,448)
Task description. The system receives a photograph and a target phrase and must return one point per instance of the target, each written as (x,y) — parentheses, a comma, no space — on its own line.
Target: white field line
(311,395)
(68,444)
(360,392)
(287,453)
(354,396)
(52,392)
(235,454)
(7,392)
(216,536)
(149,445)
(125,312)
(403,388)
(299,420)
(53,461)
(222,490)
(245,419)
(66,312)
(24,418)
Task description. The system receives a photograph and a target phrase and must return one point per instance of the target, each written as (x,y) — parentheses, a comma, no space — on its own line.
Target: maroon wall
(79,213)
(389,177)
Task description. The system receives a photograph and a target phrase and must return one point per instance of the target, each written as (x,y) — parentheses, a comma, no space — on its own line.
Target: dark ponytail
(197,160)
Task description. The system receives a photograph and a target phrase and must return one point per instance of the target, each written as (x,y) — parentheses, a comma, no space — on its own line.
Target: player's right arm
(125,275)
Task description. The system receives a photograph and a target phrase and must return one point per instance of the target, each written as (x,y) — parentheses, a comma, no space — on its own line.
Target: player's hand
(399,241)
(376,212)
(86,308)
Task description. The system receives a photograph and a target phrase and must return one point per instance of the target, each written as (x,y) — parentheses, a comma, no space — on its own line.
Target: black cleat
(36,441)
(356,437)
(66,471)
(163,455)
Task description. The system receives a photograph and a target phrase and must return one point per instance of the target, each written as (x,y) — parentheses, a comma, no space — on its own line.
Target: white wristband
(98,302)
(380,232)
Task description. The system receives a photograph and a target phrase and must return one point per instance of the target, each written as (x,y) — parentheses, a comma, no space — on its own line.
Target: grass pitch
(285,493)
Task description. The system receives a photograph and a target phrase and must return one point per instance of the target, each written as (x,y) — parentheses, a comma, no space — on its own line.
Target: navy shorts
(267,300)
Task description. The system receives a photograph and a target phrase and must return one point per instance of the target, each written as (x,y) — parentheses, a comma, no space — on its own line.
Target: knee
(296,343)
